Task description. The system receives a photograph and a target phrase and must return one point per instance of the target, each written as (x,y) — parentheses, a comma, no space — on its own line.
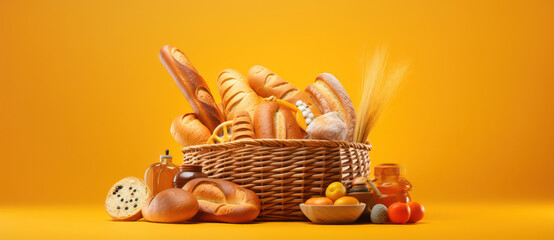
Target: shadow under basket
(283,173)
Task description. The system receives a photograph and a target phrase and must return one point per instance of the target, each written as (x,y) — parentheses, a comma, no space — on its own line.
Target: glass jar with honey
(159,176)
(187,173)
(393,187)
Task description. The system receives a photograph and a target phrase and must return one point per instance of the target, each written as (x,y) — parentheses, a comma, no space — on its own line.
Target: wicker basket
(283,173)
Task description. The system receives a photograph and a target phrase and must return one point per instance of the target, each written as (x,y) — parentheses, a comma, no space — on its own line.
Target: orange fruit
(416,211)
(347,201)
(399,213)
(319,201)
(335,191)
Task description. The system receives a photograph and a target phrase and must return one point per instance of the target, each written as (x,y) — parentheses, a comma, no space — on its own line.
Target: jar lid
(166,156)
(387,169)
(191,167)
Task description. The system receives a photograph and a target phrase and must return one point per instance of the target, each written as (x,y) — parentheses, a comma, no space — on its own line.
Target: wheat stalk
(379,85)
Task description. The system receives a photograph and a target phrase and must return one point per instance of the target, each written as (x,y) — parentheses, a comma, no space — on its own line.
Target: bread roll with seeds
(266,83)
(329,95)
(242,127)
(236,94)
(126,198)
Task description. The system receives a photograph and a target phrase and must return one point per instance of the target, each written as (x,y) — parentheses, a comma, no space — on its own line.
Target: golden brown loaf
(192,85)
(242,127)
(273,121)
(223,201)
(236,94)
(126,198)
(266,83)
(172,205)
(329,126)
(188,130)
(330,96)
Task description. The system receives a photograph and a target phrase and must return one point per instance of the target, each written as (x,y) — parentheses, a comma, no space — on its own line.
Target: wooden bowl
(332,214)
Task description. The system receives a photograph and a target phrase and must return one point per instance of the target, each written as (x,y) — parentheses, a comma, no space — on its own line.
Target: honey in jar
(392,186)
(159,176)
(187,173)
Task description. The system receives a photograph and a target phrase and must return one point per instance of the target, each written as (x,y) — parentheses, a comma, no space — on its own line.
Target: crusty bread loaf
(223,201)
(328,126)
(242,127)
(273,121)
(330,96)
(126,198)
(236,94)
(192,85)
(266,83)
(172,205)
(188,130)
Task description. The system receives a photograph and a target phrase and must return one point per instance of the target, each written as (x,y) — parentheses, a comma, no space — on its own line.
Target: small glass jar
(392,186)
(187,173)
(159,175)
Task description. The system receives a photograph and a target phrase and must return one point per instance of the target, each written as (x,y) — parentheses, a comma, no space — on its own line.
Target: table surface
(442,221)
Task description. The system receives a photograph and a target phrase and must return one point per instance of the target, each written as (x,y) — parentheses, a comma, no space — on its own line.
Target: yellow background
(85,100)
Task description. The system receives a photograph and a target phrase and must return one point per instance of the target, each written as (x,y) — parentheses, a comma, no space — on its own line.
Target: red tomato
(416,212)
(399,213)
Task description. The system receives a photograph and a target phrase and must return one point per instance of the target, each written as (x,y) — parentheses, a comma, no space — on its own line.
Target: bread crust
(330,96)
(172,205)
(266,83)
(272,121)
(188,130)
(223,201)
(192,85)
(242,127)
(236,94)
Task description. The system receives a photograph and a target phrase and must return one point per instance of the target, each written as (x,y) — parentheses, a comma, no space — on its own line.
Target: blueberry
(131,200)
(118,195)
(136,199)
(122,199)
(135,206)
(119,187)
(118,207)
(130,188)
(126,201)
(134,190)
(126,208)
(113,193)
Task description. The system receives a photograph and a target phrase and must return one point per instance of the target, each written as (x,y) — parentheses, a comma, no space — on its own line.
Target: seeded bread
(126,198)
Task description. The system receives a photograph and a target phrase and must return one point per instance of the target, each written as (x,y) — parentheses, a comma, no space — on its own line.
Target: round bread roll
(188,130)
(126,198)
(328,126)
(172,205)
(223,201)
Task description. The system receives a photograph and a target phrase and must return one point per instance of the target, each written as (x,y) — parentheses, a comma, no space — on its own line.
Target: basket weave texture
(283,173)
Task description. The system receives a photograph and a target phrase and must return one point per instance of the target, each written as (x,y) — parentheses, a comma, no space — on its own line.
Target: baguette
(266,83)
(236,94)
(188,130)
(223,201)
(242,127)
(273,121)
(192,85)
(329,95)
